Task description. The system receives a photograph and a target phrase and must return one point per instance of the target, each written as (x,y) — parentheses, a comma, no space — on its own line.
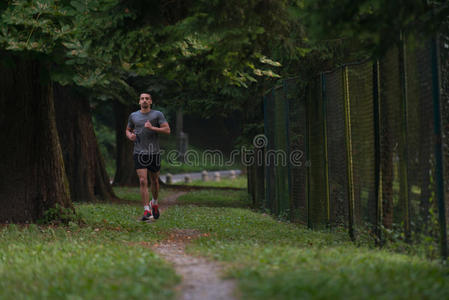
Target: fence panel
(360,81)
(443,59)
(276,107)
(337,162)
(421,140)
(280,152)
(370,130)
(390,138)
(318,209)
(296,100)
(270,179)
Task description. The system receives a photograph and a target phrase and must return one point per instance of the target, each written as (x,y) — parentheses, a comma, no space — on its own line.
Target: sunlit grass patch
(216,198)
(239,182)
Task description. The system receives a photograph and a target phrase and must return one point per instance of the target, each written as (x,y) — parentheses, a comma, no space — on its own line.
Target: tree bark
(125,173)
(85,166)
(31,165)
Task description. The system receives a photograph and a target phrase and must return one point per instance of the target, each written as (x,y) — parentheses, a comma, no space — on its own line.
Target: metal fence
(365,146)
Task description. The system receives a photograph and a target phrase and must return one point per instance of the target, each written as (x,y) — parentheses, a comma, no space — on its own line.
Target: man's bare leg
(154,177)
(143,181)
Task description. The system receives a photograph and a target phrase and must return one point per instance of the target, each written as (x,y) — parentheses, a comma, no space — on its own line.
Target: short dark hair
(146,92)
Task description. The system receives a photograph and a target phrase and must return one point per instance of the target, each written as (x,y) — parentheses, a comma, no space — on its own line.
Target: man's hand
(130,134)
(148,125)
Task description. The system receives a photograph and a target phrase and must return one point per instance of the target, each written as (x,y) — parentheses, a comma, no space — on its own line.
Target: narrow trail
(201,278)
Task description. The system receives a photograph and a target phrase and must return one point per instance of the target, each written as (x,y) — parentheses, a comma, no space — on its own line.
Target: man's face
(145,101)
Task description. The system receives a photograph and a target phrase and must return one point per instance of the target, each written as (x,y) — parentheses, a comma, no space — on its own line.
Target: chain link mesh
(337,162)
(443,50)
(421,139)
(360,77)
(270,177)
(317,183)
(297,146)
(391,121)
(390,129)
(281,150)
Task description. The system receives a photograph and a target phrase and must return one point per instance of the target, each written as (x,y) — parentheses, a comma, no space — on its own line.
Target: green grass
(239,182)
(88,262)
(133,193)
(107,257)
(177,168)
(272,259)
(213,198)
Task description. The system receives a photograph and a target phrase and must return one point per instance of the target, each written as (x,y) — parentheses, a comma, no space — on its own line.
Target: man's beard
(145,105)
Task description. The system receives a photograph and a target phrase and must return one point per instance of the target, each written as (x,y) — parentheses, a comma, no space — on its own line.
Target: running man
(143,128)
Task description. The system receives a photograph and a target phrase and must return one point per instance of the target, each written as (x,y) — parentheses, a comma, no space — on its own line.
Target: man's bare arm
(165,128)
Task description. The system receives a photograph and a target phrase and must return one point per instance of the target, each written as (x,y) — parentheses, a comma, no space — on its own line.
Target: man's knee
(143,181)
(154,177)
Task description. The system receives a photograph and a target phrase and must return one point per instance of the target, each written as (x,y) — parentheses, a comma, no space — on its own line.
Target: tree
(83,162)
(35,40)
(31,162)
(125,172)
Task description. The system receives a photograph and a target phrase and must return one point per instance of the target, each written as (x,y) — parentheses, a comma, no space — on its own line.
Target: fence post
(326,160)
(377,152)
(403,162)
(349,152)
(438,147)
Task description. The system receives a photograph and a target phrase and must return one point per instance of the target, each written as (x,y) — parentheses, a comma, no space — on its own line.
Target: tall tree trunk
(31,165)
(84,164)
(125,173)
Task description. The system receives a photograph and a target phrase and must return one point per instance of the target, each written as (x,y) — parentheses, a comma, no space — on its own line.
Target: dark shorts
(152,162)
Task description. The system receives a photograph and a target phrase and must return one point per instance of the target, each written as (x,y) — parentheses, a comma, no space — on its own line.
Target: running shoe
(146,215)
(155,209)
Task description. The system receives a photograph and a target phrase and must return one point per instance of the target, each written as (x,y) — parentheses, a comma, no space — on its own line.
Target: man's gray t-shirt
(147,141)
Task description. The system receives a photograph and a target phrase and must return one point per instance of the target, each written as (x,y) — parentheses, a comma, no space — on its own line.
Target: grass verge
(239,182)
(195,165)
(132,194)
(214,198)
(88,262)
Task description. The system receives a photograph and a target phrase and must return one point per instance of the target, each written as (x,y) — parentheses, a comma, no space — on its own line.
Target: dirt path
(201,278)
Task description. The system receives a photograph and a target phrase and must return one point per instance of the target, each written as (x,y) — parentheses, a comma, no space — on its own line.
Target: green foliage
(212,53)
(68,34)
(376,24)
(58,215)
